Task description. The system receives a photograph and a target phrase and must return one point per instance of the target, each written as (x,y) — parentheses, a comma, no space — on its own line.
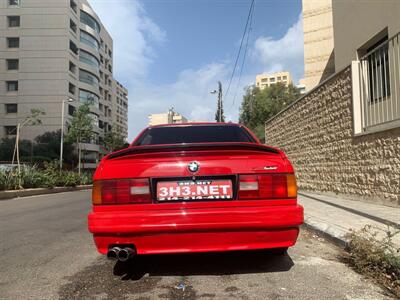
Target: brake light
(267,186)
(124,191)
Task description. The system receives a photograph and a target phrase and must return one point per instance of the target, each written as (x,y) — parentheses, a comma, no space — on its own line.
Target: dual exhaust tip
(121,253)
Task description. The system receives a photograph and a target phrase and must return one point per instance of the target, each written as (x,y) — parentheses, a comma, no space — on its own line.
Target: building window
(89,59)
(73,47)
(13,42)
(88,78)
(375,100)
(379,80)
(12,64)
(72,25)
(10,130)
(88,97)
(272,79)
(11,108)
(71,109)
(14,2)
(13,21)
(71,88)
(12,86)
(89,40)
(284,77)
(95,119)
(73,5)
(72,67)
(90,21)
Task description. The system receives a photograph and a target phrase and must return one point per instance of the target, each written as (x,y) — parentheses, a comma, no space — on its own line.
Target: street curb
(12,194)
(339,241)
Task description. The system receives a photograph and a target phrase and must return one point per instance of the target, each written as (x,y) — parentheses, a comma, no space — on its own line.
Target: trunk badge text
(270,167)
(193,166)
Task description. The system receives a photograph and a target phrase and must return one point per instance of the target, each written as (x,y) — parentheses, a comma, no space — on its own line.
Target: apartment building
(264,80)
(120,108)
(319,57)
(55,54)
(170,117)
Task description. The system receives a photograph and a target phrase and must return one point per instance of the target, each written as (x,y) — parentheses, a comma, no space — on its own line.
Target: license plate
(194,190)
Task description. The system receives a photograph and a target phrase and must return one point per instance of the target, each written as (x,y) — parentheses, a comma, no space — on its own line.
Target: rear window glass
(194,134)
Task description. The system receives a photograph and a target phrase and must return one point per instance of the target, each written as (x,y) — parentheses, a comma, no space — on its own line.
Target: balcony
(376,88)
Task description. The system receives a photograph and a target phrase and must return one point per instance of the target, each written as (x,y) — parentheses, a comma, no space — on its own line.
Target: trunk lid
(222,159)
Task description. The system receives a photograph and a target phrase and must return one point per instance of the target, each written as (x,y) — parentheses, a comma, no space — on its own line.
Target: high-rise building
(264,80)
(170,117)
(54,54)
(120,108)
(319,58)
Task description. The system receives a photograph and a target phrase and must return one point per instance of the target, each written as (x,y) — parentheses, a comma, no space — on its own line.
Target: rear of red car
(194,188)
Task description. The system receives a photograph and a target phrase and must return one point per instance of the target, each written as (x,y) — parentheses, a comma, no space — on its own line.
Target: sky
(172,53)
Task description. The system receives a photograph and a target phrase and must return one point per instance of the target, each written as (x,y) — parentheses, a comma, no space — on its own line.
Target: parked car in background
(194,187)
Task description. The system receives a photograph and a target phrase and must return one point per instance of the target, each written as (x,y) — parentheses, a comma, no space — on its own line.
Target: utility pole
(219,116)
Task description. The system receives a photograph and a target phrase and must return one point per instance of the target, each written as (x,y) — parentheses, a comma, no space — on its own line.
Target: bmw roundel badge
(193,166)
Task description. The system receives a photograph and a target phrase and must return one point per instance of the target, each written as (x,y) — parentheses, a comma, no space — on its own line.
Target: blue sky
(172,53)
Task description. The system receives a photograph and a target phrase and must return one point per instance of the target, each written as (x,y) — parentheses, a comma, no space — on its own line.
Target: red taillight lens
(267,186)
(124,191)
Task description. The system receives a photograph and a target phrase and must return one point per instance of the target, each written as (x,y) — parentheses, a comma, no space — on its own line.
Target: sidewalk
(336,216)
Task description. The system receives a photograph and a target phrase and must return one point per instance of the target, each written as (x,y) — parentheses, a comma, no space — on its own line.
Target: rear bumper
(198,230)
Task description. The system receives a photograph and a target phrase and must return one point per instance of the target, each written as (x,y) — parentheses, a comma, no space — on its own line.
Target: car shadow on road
(222,263)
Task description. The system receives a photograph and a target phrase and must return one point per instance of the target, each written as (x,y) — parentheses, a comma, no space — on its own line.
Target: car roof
(196,124)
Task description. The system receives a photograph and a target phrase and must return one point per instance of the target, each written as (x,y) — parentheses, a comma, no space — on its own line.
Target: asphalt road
(47,253)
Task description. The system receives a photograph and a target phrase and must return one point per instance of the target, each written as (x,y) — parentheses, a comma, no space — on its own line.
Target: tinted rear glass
(194,134)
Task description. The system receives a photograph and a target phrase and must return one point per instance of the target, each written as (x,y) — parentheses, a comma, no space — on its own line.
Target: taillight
(267,186)
(123,191)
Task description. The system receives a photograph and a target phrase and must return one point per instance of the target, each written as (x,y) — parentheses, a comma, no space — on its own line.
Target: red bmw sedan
(194,187)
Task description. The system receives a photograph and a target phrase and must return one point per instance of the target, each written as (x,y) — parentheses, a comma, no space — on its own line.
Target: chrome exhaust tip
(125,253)
(113,252)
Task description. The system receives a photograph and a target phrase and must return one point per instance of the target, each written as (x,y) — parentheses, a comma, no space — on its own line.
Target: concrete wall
(356,22)
(317,135)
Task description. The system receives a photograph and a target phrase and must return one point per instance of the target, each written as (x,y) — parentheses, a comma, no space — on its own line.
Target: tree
(113,140)
(80,129)
(7,148)
(260,105)
(48,145)
(31,120)
(219,115)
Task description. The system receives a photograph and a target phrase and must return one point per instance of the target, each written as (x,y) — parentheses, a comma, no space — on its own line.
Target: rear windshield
(194,134)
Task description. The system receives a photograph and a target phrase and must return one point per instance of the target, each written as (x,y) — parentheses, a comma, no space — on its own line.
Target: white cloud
(133,33)
(285,53)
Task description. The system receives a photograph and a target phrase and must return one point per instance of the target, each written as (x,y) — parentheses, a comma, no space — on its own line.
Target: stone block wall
(316,134)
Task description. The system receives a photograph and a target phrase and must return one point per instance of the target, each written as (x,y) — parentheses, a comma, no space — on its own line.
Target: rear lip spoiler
(196,146)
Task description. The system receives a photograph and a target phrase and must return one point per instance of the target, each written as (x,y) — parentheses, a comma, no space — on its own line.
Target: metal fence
(380,83)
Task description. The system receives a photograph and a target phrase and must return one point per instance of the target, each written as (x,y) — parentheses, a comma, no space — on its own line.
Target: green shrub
(3,181)
(86,178)
(32,177)
(68,178)
(376,257)
(48,177)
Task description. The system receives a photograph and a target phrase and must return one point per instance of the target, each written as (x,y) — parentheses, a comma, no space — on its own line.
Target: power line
(240,48)
(244,58)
